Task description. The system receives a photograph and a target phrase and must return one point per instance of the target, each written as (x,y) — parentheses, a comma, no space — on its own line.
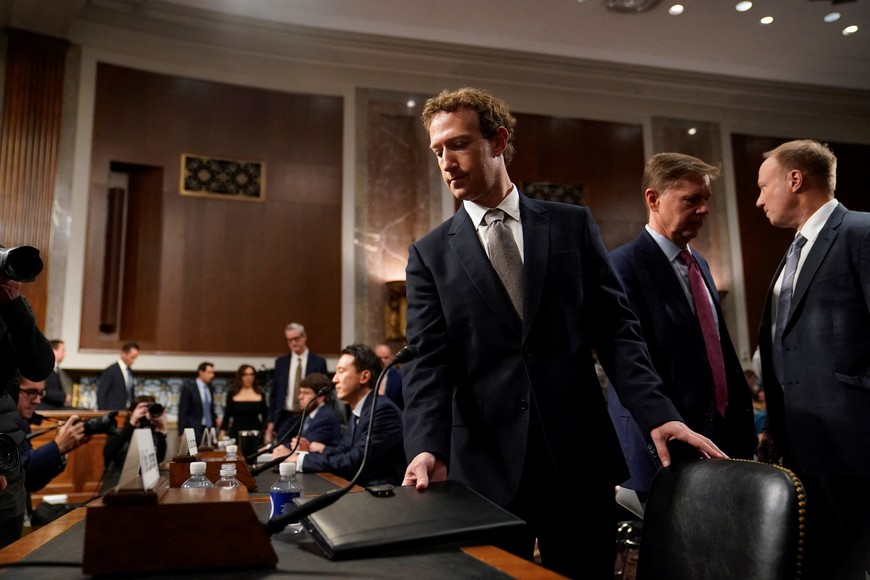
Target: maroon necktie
(708,329)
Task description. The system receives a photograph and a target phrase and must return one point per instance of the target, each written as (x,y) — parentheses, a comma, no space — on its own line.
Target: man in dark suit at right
(656,270)
(196,404)
(286,378)
(116,384)
(815,355)
(503,395)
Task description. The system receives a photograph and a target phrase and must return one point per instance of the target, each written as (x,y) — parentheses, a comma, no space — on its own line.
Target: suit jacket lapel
(536,250)
(817,254)
(471,255)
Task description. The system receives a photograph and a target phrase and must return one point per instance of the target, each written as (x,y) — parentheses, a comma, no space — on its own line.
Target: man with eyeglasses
(25,350)
(286,379)
(47,461)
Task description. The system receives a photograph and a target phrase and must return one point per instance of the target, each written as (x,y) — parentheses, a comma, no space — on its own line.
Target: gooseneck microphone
(275,525)
(275,461)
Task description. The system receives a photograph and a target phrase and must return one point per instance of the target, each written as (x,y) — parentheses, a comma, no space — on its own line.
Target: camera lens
(10,457)
(155,410)
(21,264)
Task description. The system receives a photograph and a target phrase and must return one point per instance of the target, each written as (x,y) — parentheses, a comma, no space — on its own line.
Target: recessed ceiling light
(850,30)
(743,6)
(831,17)
(692,131)
(766,20)
(411,104)
(676,9)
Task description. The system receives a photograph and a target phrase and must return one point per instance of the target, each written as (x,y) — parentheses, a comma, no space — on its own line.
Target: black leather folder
(363,524)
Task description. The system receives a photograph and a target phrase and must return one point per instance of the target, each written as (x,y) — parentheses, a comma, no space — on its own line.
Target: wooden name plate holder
(131,530)
(179,469)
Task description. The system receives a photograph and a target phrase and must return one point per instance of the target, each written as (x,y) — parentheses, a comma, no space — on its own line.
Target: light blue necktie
(784,304)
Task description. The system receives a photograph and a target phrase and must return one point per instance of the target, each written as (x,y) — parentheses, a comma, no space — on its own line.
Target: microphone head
(407,354)
(322,392)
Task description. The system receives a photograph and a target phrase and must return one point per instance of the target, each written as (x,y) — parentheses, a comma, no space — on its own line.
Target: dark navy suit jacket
(280,377)
(112,394)
(386,458)
(468,393)
(673,334)
(819,416)
(190,409)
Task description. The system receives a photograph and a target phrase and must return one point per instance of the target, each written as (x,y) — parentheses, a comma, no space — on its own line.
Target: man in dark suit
(321,424)
(391,386)
(286,378)
(116,384)
(503,395)
(815,354)
(58,385)
(196,404)
(656,277)
(355,374)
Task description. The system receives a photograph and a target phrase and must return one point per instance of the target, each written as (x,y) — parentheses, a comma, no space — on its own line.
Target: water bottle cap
(287,468)
(232,449)
(197,468)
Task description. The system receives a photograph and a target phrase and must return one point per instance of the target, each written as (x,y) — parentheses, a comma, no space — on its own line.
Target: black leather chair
(723,519)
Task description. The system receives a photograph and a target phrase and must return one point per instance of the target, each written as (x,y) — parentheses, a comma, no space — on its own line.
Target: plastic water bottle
(232,452)
(197,476)
(283,492)
(228,476)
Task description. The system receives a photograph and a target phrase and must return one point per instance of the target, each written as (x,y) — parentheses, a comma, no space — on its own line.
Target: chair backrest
(723,519)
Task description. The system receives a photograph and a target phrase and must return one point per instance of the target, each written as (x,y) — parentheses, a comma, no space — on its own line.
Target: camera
(21,264)
(10,456)
(155,410)
(105,424)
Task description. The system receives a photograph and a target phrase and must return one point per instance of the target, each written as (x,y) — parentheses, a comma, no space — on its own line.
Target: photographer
(46,462)
(24,349)
(145,413)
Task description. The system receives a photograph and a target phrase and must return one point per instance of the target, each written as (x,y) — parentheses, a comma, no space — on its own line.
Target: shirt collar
(510,205)
(817,221)
(359,406)
(671,250)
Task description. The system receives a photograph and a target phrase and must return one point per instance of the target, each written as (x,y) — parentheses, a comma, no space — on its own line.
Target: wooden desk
(63,540)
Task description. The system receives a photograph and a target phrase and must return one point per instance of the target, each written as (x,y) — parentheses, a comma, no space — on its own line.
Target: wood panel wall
(29,135)
(213,275)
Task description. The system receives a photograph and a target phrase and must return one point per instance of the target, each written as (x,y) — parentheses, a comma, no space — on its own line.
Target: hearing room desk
(63,541)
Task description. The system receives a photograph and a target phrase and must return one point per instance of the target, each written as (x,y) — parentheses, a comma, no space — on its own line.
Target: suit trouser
(559,515)
(838,527)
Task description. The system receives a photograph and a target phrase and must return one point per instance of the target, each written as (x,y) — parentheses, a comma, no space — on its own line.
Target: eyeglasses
(294,338)
(33,393)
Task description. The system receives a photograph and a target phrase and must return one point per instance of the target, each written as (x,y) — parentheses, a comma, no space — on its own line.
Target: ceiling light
(850,30)
(676,9)
(831,17)
(630,5)
(692,131)
(411,104)
(743,6)
(766,20)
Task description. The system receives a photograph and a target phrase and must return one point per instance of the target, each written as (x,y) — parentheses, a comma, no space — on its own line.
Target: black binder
(447,512)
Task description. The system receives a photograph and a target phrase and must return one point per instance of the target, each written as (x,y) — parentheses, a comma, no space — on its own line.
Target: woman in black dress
(246,405)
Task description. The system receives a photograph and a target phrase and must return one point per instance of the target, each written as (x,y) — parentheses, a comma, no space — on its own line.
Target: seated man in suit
(196,405)
(355,374)
(115,387)
(286,378)
(322,424)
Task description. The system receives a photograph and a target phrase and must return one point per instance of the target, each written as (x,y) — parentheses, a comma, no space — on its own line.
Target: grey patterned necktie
(784,304)
(505,257)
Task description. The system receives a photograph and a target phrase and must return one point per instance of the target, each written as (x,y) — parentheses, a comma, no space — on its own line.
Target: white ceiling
(709,37)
